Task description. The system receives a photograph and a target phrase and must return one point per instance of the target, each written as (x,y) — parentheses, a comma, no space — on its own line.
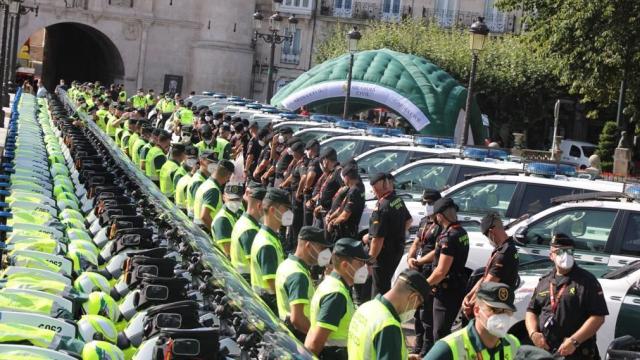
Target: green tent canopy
(411,86)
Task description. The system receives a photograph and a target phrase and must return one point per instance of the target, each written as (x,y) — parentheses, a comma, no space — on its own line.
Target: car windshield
(426,176)
(319,135)
(382,161)
(344,148)
(588,150)
(484,196)
(626,270)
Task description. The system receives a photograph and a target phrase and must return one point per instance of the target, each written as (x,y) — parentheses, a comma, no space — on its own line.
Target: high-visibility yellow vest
(331,285)
(367,322)
(135,150)
(166,177)
(132,140)
(198,200)
(263,238)
(167,106)
(181,191)
(111,128)
(462,348)
(122,96)
(196,181)
(139,102)
(102,118)
(186,117)
(223,215)
(150,166)
(287,268)
(239,256)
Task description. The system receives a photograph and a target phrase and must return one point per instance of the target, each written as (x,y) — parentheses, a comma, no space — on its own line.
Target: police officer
(169,168)
(291,183)
(208,198)
(567,307)
(344,221)
(245,230)
(136,148)
(448,273)
(503,264)
(207,162)
(156,157)
(420,257)
(138,100)
(387,226)
(224,221)
(144,150)
(254,148)
(266,250)
(294,286)
(310,175)
(375,331)
(485,337)
(182,178)
(326,187)
(331,305)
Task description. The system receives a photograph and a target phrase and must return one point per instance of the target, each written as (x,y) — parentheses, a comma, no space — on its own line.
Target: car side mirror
(521,235)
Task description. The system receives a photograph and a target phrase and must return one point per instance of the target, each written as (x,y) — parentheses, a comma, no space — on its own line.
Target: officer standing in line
(182,178)
(266,250)
(420,257)
(168,170)
(387,227)
(254,148)
(310,176)
(150,99)
(145,136)
(345,220)
(567,307)
(375,332)
(326,187)
(208,198)
(224,221)
(294,286)
(156,157)
(245,230)
(138,101)
(485,337)
(503,264)
(331,305)
(448,274)
(144,150)
(207,162)
(125,141)
(291,183)
(135,135)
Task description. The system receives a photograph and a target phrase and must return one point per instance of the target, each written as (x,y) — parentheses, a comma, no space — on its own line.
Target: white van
(577,152)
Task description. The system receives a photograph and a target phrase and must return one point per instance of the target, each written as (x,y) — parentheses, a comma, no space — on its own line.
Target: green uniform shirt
(266,255)
(242,236)
(222,226)
(293,286)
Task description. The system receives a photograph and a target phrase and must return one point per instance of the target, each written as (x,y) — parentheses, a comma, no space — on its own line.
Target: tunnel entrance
(74,51)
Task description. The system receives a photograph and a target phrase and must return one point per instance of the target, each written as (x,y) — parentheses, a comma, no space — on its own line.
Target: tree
(516,85)
(594,43)
(607,145)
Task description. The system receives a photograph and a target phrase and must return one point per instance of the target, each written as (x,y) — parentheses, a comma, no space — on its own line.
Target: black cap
(313,234)
(191,150)
(253,184)
(351,248)
(329,153)
(258,193)
(293,140)
(351,171)
(278,196)
(227,165)
(496,295)
(416,281)
(443,204)
(562,240)
(530,352)
(311,143)
(234,191)
(225,128)
(379,176)
(253,124)
(430,195)
(487,222)
(209,155)
(178,147)
(286,130)
(297,147)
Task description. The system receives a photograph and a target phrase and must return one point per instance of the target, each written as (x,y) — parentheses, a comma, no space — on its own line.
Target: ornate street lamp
(353,37)
(479,33)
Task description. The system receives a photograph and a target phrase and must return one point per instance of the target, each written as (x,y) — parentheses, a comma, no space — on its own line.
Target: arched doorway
(74,51)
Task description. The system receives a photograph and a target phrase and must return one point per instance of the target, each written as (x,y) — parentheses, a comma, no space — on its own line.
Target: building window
(297,3)
(445,13)
(291,49)
(495,20)
(304,7)
(342,8)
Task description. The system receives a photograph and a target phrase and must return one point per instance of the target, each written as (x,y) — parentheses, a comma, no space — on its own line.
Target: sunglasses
(560,251)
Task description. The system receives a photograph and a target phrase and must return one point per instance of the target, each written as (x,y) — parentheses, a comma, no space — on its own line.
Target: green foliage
(515,84)
(592,40)
(607,145)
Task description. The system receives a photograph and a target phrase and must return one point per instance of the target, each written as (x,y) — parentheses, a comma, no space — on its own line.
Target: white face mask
(211,168)
(233,205)
(191,162)
(564,261)
(429,210)
(280,139)
(207,118)
(216,122)
(287,218)
(361,275)
(324,257)
(289,151)
(208,141)
(186,138)
(498,325)
(261,143)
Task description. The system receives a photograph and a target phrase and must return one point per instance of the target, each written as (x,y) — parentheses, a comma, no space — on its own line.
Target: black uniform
(354,203)
(504,263)
(311,165)
(327,187)
(453,242)
(578,296)
(428,233)
(254,148)
(388,221)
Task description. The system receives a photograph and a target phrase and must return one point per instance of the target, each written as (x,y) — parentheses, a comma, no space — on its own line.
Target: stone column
(143,53)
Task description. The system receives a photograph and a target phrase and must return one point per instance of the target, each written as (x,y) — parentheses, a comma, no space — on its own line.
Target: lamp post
(272,37)
(479,32)
(352,38)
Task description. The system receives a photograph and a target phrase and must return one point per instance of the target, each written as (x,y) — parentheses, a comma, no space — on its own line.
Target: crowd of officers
(286,214)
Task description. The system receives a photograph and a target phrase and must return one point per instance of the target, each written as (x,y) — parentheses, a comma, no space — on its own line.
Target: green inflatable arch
(411,86)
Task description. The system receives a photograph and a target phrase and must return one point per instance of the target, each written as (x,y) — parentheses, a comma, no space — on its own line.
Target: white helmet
(89,282)
(96,327)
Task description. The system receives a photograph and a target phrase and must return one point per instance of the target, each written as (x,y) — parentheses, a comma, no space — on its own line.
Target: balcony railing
(77,4)
(497,23)
(364,10)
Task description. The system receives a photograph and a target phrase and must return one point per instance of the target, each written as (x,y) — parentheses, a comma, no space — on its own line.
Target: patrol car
(297,125)
(621,287)
(322,133)
(350,145)
(390,158)
(605,228)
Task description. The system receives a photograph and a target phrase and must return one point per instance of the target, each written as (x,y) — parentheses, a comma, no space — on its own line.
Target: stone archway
(75,51)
